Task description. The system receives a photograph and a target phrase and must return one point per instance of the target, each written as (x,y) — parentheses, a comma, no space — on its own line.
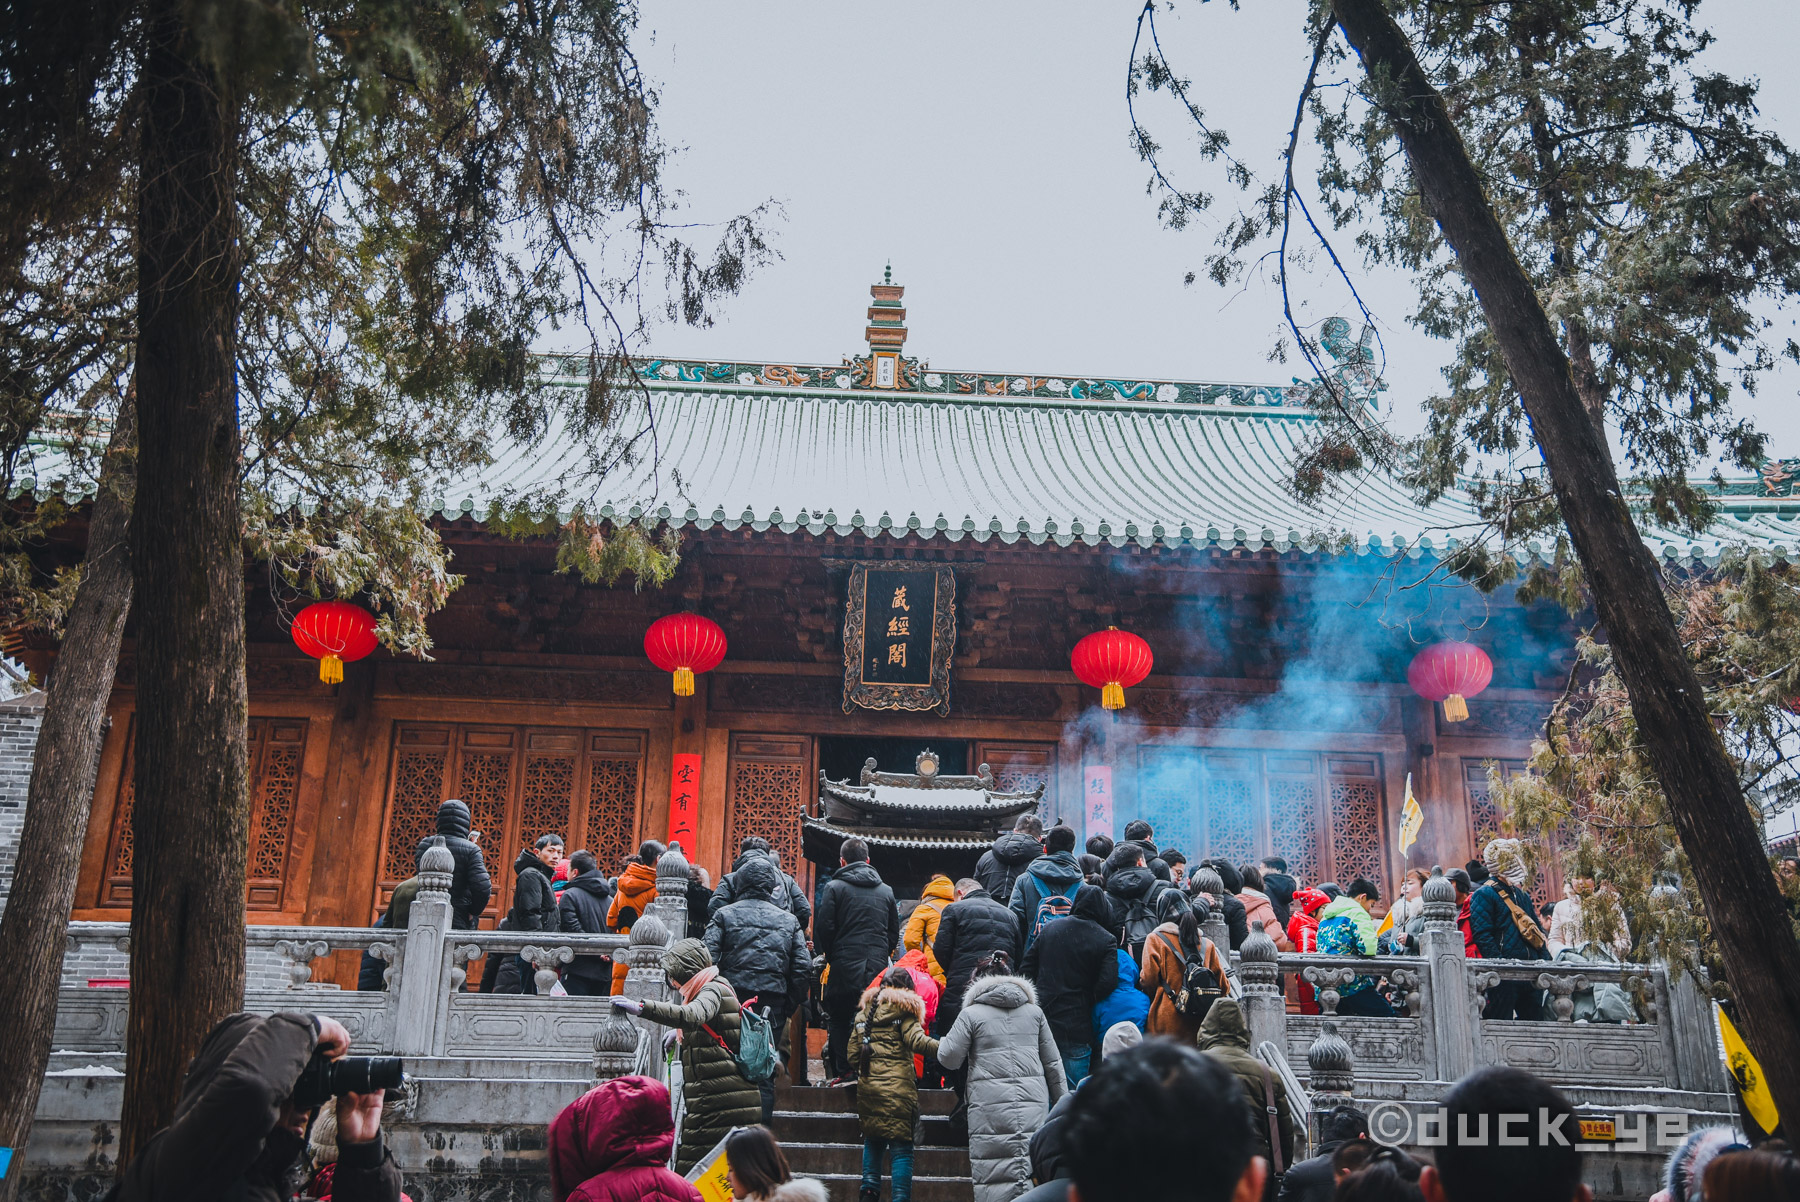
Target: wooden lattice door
(519,783)
(276,749)
(767,790)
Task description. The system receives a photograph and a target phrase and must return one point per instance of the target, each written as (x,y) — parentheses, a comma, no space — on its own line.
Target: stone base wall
(20,719)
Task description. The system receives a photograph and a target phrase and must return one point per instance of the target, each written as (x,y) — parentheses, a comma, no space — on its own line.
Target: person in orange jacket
(922,926)
(636,890)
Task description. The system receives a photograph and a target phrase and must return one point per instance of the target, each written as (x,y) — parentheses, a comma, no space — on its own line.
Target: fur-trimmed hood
(888,998)
(1000,992)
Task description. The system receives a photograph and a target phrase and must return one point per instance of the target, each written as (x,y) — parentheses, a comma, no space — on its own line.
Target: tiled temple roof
(987,457)
(787,448)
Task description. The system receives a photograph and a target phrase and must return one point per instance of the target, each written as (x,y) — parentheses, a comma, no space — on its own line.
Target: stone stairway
(817,1128)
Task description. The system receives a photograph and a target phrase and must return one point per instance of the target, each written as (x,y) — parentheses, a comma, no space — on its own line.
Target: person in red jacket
(612,1144)
(1303,933)
(1465,889)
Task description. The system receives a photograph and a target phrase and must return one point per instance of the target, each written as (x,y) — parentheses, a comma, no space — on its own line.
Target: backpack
(755,1055)
(1139,923)
(1200,986)
(1337,937)
(1050,908)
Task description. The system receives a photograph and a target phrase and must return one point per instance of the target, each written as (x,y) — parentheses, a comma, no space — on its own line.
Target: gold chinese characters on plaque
(899,631)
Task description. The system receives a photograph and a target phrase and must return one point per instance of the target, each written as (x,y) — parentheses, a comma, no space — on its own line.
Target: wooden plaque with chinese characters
(899,631)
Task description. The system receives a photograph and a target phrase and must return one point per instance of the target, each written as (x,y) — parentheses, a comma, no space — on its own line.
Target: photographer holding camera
(239,1130)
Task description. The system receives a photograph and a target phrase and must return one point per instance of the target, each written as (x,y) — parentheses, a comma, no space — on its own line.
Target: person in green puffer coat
(716,1094)
(890,1030)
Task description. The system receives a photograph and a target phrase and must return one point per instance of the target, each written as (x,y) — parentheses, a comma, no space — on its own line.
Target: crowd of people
(1064,995)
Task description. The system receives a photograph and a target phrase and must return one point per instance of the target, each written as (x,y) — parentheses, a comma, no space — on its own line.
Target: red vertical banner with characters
(1096,801)
(684,801)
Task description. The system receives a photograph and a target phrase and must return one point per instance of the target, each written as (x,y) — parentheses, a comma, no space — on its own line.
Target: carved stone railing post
(1213,925)
(1265,1010)
(1331,1077)
(615,1048)
(671,891)
(422,954)
(1454,1028)
(1688,1018)
(644,976)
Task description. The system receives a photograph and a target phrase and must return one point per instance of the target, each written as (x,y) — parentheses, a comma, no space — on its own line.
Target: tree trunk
(60,795)
(1712,818)
(190,818)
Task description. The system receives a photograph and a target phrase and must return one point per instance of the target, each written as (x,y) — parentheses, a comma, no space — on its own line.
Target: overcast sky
(983,149)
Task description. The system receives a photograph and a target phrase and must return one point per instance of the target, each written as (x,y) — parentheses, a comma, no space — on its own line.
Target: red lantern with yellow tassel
(333,632)
(685,644)
(1111,660)
(1450,673)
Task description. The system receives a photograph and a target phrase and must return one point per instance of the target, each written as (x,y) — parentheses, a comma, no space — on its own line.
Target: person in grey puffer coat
(1014,1076)
(791,896)
(759,948)
(470,885)
(999,867)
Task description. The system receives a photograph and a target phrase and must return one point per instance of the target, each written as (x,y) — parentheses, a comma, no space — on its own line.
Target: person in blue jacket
(1125,1004)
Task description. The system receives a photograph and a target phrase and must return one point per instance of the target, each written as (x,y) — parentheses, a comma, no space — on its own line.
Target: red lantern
(332,632)
(685,644)
(1111,660)
(1450,673)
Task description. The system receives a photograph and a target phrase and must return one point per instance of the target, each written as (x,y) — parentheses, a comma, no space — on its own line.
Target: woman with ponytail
(1167,952)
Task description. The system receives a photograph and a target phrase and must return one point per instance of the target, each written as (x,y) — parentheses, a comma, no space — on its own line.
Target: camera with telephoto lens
(324,1079)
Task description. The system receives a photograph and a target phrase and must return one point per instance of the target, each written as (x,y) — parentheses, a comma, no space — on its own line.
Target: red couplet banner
(1097,801)
(684,801)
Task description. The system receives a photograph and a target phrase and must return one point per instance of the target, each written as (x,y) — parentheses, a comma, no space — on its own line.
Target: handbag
(1529,930)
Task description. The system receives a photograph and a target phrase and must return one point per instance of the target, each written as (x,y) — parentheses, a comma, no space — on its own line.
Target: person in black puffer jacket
(1280,888)
(1001,864)
(699,900)
(759,948)
(973,927)
(533,907)
(1133,890)
(1074,963)
(791,897)
(582,911)
(857,930)
(470,885)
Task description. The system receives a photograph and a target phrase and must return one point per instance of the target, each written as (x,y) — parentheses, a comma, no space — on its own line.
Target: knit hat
(1119,1036)
(322,1143)
(1505,859)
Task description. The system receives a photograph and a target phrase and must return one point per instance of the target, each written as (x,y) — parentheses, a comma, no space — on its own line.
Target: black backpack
(1139,923)
(1200,986)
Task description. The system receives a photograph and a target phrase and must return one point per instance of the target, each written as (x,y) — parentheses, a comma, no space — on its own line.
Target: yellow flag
(1411,818)
(1387,924)
(1751,1084)
(712,1176)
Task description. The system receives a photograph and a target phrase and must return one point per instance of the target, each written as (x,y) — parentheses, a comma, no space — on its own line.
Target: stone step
(818,1099)
(810,1127)
(843,1188)
(822,1160)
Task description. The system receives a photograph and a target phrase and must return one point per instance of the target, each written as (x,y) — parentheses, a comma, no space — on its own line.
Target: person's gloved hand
(629,1005)
(671,1037)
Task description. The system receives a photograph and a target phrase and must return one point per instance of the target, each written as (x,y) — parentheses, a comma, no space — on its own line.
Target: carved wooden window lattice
(519,783)
(1321,813)
(1484,812)
(768,791)
(275,750)
(1294,823)
(1356,842)
(612,811)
